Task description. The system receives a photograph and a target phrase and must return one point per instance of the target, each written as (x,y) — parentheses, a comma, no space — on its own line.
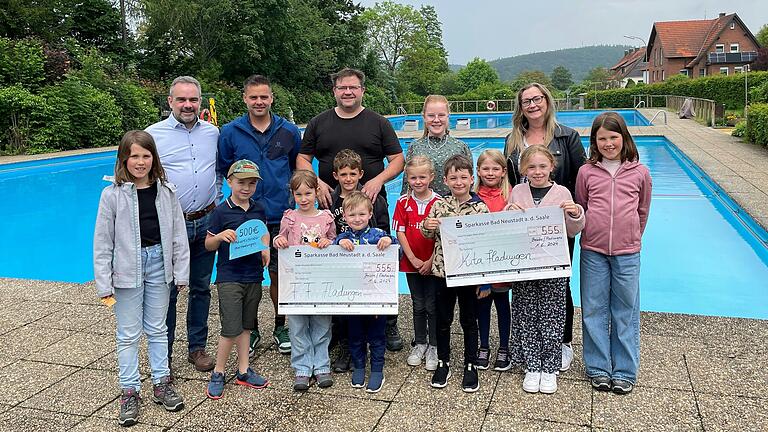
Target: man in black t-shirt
(350,125)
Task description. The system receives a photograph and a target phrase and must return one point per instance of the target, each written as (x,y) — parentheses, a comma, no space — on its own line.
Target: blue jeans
(143,308)
(365,331)
(200,269)
(310,337)
(610,304)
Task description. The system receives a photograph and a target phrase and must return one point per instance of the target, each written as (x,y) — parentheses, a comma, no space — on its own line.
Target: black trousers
(446,302)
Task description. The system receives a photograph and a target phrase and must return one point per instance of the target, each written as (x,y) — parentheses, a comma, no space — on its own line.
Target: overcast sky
(492,29)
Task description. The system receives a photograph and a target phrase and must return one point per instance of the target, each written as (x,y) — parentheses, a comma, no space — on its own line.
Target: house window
(720,48)
(738,69)
(684,72)
(702,72)
(724,71)
(734,47)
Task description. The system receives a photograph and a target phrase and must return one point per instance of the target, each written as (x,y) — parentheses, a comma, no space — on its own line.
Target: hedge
(723,89)
(757,123)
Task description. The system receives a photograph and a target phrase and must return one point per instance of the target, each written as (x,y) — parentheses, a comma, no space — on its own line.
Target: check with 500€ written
(334,281)
(505,246)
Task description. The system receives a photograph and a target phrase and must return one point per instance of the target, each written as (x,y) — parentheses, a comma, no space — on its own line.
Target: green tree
(561,77)
(474,74)
(391,28)
(762,36)
(425,61)
(526,77)
(600,77)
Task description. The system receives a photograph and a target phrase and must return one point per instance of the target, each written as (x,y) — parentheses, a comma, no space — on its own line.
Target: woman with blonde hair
(436,143)
(534,123)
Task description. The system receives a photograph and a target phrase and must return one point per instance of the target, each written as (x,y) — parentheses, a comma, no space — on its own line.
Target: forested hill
(579,61)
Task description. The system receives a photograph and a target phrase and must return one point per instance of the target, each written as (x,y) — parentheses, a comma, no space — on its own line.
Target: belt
(195,215)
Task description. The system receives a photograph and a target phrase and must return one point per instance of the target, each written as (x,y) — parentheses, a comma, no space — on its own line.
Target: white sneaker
(431,356)
(417,354)
(548,383)
(531,382)
(567,357)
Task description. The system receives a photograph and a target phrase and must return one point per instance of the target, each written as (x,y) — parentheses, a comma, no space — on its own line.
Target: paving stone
(26,311)
(193,392)
(714,372)
(27,340)
(570,399)
(495,422)
(98,424)
(417,390)
(72,294)
(401,417)
(313,412)
(33,420)
(81,393)
(241,409)
(75,316)
(644,409)
(80,349)
(721,413)
(662,362)
(4,408)
(23,379)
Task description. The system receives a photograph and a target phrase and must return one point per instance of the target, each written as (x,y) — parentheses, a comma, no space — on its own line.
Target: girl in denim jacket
(139,247)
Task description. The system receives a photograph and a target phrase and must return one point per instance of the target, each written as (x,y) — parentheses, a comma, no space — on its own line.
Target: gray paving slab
(75,316)
(662,362)
(98,424)
(502,423)
(313,412)
(645,409)
(20,419)
(23,379)
(27,311)
(401,417)
(79,349)
(714,371)
(571,398)
(81,393)
(27,340)
(732,413)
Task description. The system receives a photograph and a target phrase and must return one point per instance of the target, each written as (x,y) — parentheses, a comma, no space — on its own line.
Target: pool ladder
(657,114)
(639,104)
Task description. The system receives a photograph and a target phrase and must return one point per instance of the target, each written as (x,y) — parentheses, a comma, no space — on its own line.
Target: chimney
(722,14)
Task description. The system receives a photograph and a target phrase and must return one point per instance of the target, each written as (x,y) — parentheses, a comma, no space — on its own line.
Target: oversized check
(505,246)
(334,281)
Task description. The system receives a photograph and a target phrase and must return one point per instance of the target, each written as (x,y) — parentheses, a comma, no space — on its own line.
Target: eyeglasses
(534,100)
(353,88)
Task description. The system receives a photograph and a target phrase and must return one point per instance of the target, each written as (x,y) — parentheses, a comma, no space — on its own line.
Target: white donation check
(334,281)
(505,246)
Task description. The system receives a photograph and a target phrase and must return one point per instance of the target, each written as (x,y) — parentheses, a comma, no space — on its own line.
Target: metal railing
(703,109)
(657,114)
(482,105)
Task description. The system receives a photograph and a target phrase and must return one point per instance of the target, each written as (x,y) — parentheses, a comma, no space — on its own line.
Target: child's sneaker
(251,379)
(620,386)
(215,386)
(601,383)
(417,354)
(301,383)
(358,378)
(567,350)
(342,362)
(375,382)
(430,363)
(548,383)
(441,375)
(255,339)
(532,382)
(324,380)
(129,407)
(164,393)
(483,354)
(503,362)
(470,383)
(282,339)
(394,341)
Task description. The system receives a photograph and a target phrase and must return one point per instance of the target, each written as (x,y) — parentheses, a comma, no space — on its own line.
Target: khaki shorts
(238,307)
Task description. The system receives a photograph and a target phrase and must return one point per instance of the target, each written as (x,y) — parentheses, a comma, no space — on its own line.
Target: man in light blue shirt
(187,148)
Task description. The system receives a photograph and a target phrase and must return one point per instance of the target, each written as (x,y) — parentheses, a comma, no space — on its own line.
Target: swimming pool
(580,118)
(698,256)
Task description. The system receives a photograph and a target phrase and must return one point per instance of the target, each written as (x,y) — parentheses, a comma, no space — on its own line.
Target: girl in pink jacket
(538,306)
(615,191)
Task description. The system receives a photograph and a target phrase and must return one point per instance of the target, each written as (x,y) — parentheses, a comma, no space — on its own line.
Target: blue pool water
(697,257)
(581,118)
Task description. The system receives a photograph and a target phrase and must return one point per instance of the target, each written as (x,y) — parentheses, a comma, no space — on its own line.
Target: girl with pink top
(538,306)
(493,188)
(310,334)
(615,190)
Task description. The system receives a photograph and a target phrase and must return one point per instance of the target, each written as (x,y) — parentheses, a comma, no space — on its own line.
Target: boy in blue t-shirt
(238,280)
(364,330)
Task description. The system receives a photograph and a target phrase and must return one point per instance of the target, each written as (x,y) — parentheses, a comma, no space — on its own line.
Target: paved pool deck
(58,367)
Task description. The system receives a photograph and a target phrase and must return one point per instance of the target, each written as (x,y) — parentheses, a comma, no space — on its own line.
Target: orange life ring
(205,115)
(491,105)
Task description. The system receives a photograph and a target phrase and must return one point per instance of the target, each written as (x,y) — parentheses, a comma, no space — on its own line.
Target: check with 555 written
(505,246)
